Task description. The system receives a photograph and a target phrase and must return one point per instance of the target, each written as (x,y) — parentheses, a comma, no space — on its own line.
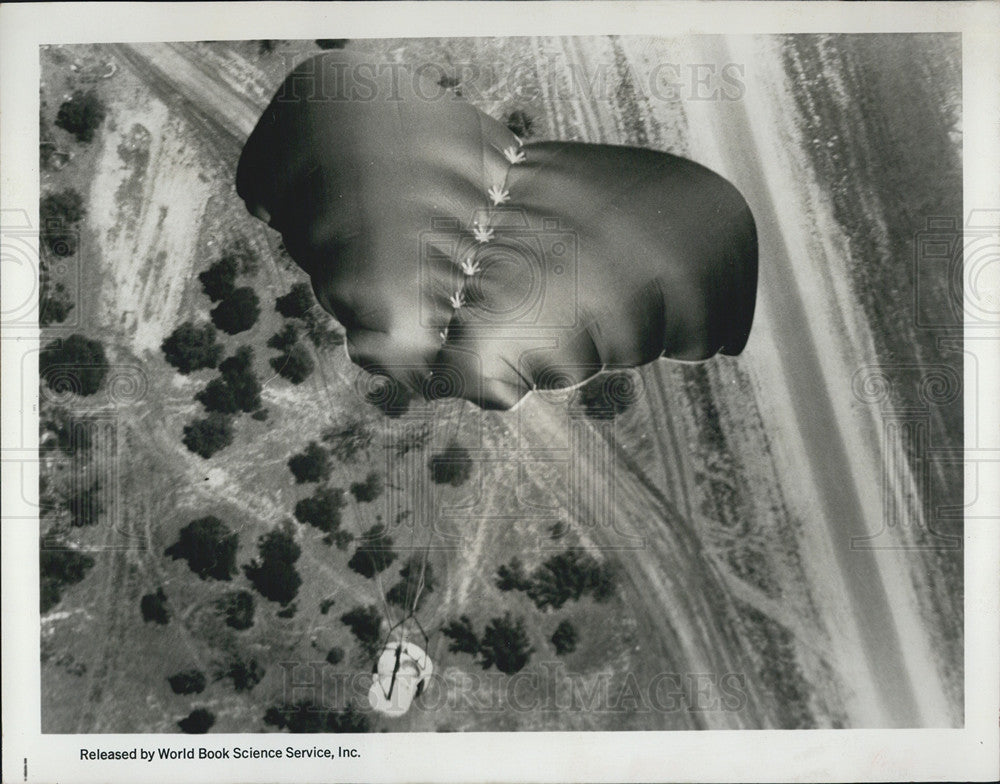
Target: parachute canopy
(464,263)
(400,673)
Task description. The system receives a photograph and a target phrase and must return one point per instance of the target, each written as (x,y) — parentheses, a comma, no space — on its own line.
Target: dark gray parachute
(464,263)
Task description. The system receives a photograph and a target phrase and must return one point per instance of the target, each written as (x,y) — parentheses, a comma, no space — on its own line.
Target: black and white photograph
(475,386)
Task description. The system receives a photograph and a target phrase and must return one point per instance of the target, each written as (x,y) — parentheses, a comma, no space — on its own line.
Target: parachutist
(470,266)
(513,155)
(457,300)
(499,195)
(481,234)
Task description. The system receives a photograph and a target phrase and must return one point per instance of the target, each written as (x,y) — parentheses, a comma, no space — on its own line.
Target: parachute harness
(498,195)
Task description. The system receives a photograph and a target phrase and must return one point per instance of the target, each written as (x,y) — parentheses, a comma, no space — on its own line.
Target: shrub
(75,364)
(520,123)
(187,682)
(238,311)
(219,280)
(207,436)
(274,574)
(322,509)
(58,569)
(297,302)
(208,546)
(325,605)
(368,490)
(310,465)
(512,577)
(154,607)
(245,674)
(452,467)
(81,115)
(335,656)
(198,722)
(346,442)
(365,624)
(564,638)
(189,347)
(505,645)
(463,637)
(374,554)
(296,365)
(238,608)
(569,575)
(306,716)
(332,43)
(288,611)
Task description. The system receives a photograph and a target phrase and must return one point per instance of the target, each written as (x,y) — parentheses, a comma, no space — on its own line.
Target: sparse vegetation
(154,607)
(75,364)
(347,441)
(274,574)
(81,115)
(374,554)
(306,716)
(453,466)
(187,682)
(560,578)
(462,635)
(207,436)
(417,575)
(505,645)
(365,624)
(191,347)
(238,609)
(564,638)
(208,546)
(238,311)
(198,722)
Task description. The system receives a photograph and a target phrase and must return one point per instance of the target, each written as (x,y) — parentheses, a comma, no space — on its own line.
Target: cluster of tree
(299,303)
(306,716)
(192,347)
(235,389)
(75,364)
(238,311)
(59,236)
(198,722)
(81,115)
(416,581)
(560,578)
(237,607)
(311,464)
(365,624)
(503,644)
(154,607)
(208,546)
(452,467)
(244,673)
(59,569)
(374,554)
(273,574)
(565,638)
(238,308)
(368,490)
(294,362)
(322,510)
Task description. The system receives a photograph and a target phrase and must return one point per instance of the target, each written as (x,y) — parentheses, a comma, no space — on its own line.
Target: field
(772,521)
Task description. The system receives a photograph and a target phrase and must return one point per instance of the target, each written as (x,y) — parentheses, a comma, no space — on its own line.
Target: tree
(463,637)
(569,575)
(198,722)
(452,466)
(295,365)
(59,568)
(236,388)
(335,656)
(190,347)
(322,509)
(208,546)
(219,280)
(297,302)
(274,574)
(207,436)
(374,554)
(245,673)
(187,682)
(365,624)
(564,638)
(238,311)
(310,465)
(154,607)
(76,364)
(285,339)
(368,490)
(59,213)
(512,577)
(306,716)
(417,581)
(505,645)
(238,608)
(81,115)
